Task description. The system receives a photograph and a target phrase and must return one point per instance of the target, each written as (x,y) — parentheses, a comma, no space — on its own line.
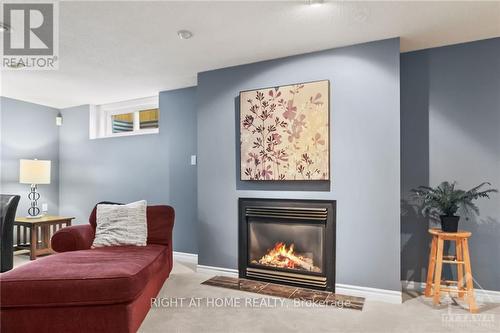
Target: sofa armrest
(77,237)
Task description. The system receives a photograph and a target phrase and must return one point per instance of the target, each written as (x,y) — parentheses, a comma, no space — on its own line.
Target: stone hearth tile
(343,301)
(310,294)
(278,290)
(251,286)
(347,297)
(224,282)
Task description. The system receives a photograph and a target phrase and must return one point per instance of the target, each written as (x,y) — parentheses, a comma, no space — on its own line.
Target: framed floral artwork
(284,132)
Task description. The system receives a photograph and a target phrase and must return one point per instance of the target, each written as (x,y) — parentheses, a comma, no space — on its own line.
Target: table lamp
(34,172)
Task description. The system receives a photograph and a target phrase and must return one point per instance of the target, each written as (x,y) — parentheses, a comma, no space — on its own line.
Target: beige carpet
(416,314)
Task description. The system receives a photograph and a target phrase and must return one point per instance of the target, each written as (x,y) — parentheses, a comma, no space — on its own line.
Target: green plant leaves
(445,199)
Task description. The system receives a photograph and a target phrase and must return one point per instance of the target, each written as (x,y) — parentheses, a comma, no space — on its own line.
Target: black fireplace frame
(246,205)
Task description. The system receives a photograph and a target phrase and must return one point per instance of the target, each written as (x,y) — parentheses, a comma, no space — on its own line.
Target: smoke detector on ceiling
(315,2)
(184,34)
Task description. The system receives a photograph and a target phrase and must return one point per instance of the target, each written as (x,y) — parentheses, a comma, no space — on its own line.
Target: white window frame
(101,123)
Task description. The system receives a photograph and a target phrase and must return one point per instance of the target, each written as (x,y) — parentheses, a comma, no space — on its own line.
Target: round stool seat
(458,234)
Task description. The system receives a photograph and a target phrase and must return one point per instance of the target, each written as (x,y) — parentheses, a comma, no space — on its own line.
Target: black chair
(8,207)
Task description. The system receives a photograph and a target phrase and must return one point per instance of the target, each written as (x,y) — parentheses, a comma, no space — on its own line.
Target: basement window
(133,117)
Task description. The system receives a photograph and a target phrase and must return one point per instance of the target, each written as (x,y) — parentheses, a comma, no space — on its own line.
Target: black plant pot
(449,223)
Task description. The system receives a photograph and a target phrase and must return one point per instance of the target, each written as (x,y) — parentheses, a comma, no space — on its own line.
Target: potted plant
(445,200)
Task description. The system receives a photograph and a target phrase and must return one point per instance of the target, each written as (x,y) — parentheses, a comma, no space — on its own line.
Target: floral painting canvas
(284,132)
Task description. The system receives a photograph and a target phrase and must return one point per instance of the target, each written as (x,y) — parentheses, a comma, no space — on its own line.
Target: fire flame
(280,253)
(284,256)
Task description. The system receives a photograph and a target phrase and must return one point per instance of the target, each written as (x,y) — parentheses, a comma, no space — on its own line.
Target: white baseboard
(482,295)
(189,258)
(372,294)
(217,270)
(383,295)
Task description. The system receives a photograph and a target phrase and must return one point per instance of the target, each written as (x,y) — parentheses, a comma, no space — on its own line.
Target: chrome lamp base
(34,196)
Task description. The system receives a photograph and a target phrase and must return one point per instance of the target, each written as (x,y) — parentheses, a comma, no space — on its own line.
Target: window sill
(133,133)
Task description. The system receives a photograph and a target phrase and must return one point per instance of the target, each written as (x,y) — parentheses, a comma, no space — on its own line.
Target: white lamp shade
(34,172)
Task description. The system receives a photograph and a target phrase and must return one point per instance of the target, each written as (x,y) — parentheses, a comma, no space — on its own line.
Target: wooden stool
(461,259)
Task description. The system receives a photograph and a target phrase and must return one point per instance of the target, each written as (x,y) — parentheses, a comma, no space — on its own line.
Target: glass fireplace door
(286,246)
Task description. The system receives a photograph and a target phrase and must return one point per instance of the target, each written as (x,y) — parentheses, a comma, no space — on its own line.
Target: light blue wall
(450,120)
(365,157)
(28,131)
(153,167)
(450,129)
(179,109)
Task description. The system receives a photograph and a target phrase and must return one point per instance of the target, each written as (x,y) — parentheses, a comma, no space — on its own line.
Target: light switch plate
(193,159)
(45,207)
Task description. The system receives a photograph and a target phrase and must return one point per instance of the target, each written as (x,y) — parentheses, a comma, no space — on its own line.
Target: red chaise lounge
(89,290)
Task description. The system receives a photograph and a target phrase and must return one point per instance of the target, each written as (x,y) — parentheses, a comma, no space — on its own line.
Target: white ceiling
(111,51)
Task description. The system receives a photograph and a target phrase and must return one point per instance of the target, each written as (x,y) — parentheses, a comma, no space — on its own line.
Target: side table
(27,233)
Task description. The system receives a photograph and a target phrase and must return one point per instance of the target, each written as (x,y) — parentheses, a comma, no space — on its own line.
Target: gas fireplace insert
(288,241)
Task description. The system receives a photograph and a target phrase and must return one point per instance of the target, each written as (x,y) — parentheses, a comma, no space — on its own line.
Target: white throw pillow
(121,225)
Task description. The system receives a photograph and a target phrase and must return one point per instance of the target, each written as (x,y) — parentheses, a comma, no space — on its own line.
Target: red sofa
(89,290)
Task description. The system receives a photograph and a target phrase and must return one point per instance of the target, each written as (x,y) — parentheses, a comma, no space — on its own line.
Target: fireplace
(288,241)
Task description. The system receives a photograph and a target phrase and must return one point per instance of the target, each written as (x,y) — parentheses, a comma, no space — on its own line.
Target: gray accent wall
(365,157)
(450,126)
(28,131)
(153,167)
